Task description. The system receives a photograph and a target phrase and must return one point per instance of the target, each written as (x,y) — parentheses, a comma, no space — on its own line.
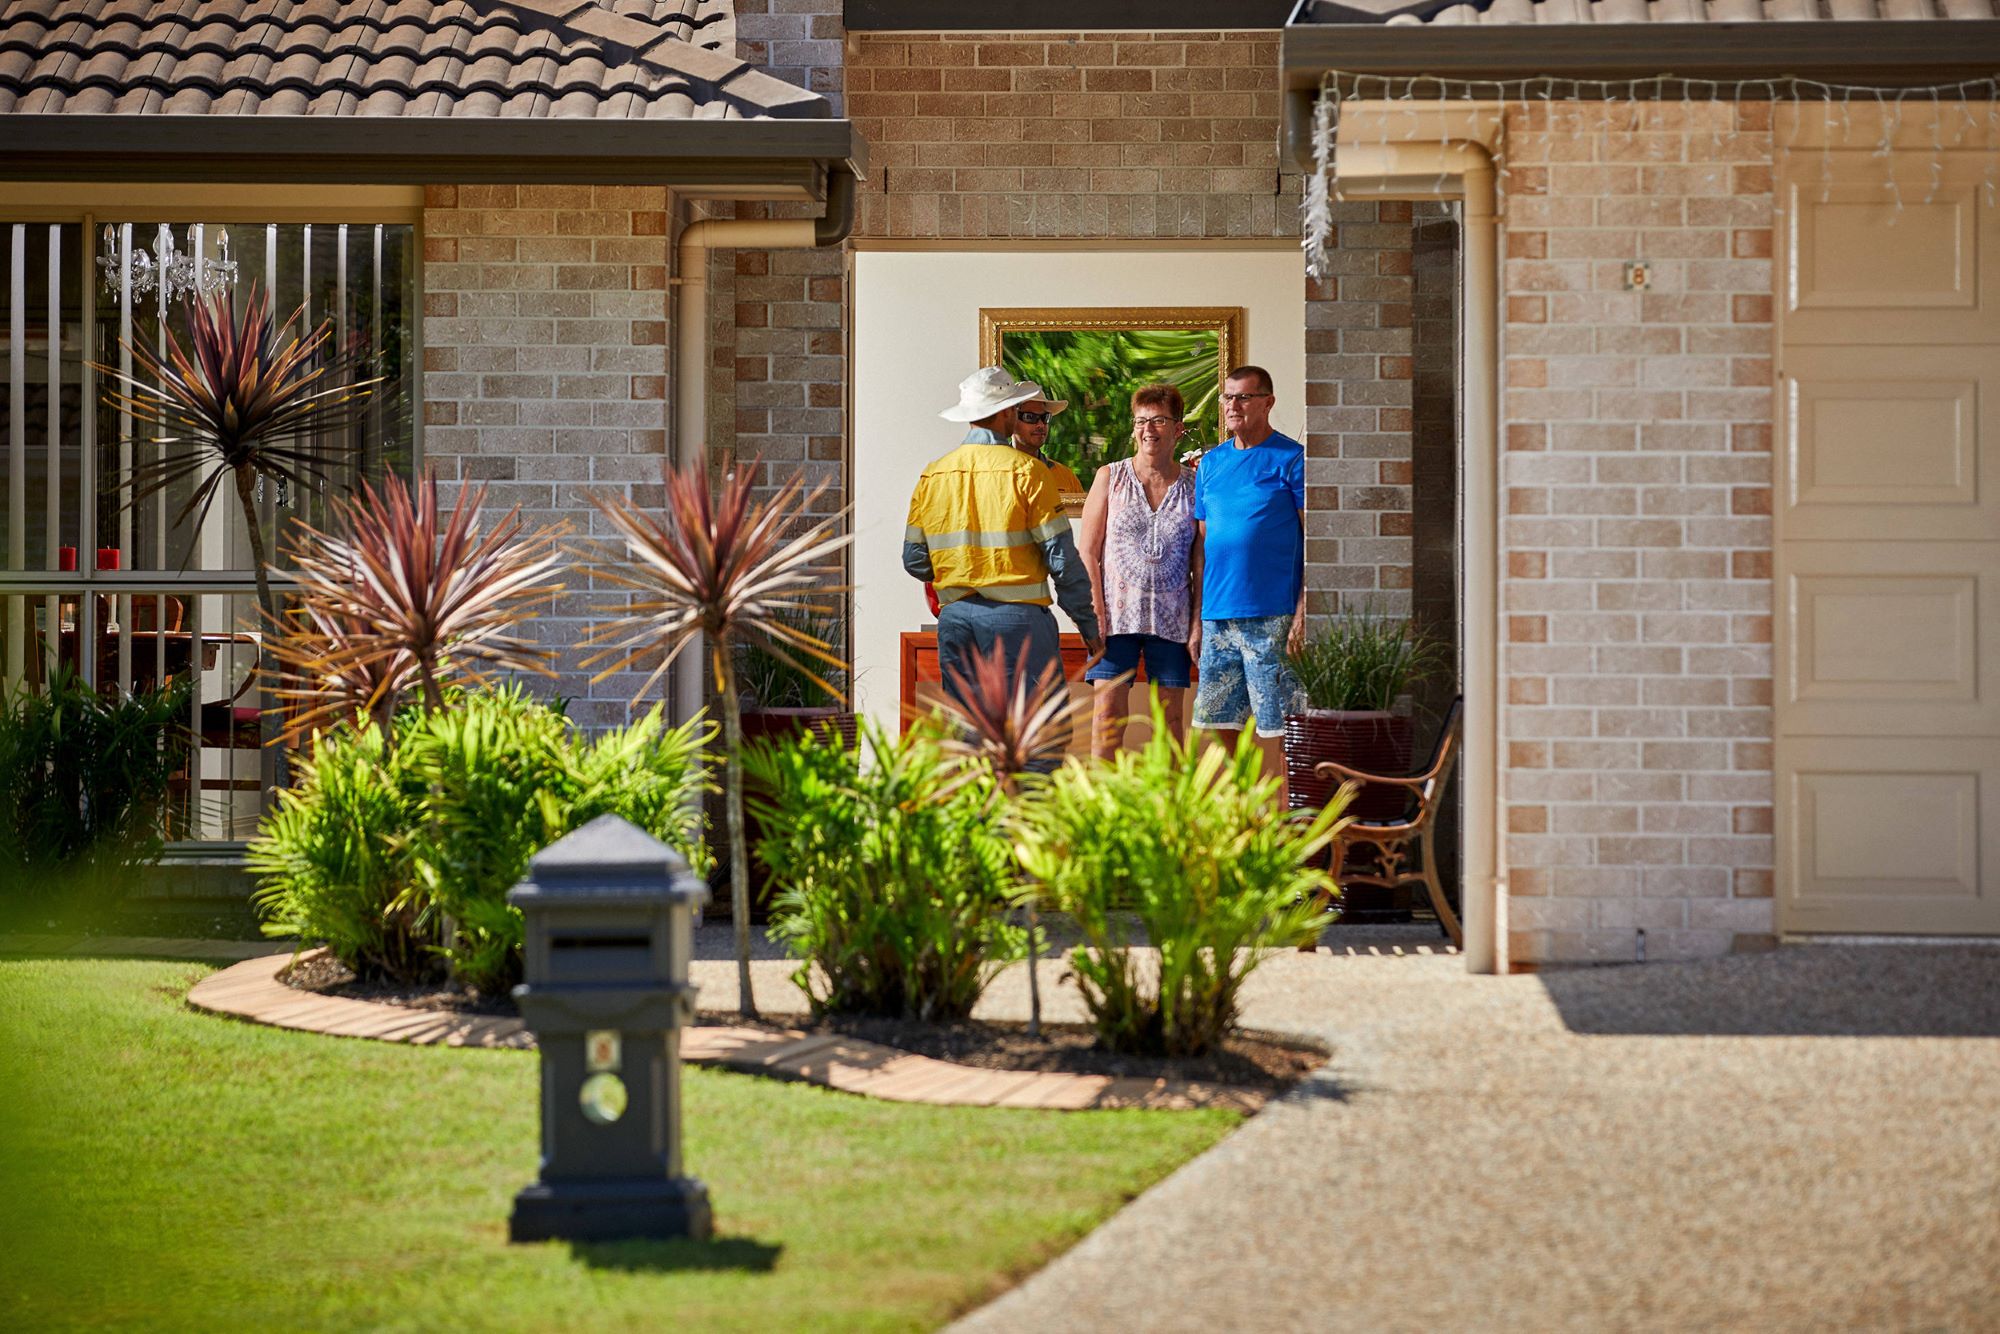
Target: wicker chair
(1392,842)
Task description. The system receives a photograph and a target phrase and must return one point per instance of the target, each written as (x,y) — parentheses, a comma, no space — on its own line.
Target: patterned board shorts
(1243,673)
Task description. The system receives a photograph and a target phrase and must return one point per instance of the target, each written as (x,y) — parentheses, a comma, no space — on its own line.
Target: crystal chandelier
(167,271)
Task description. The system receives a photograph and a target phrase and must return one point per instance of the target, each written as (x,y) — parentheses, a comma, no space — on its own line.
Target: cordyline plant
(238,403)
(408,597)
(1011,724)
(722,564)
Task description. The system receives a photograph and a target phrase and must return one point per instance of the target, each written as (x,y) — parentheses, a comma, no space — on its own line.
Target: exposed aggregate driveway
(1801,1140)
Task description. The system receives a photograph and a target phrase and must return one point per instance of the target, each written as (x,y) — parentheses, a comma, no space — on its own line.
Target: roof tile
(587,58)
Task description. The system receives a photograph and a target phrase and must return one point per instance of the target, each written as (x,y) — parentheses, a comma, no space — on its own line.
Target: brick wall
(1359,419)
(1636,503)
(545,368)
(1071,134)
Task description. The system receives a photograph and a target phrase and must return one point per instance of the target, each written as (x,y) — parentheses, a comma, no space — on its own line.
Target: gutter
(1874,51)
(691,355)
(749,158)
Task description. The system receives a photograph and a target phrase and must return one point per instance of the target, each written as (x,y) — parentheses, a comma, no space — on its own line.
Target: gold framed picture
(1096,356)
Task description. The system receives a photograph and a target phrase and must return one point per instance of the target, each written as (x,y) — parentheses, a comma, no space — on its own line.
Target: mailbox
(608,913)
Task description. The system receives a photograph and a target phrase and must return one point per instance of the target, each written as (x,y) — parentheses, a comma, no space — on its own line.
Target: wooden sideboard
(923,684)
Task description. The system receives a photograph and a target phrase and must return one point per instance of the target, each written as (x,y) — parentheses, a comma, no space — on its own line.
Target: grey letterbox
(609,913)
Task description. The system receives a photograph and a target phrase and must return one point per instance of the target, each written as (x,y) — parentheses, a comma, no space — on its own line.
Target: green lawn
(160,1169)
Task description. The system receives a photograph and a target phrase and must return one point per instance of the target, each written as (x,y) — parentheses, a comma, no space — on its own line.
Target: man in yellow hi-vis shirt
(987,528)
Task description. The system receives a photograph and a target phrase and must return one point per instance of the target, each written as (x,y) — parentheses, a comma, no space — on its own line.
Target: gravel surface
(1805,1139)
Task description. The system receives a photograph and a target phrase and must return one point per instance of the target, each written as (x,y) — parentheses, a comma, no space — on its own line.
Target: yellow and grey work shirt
(987,520)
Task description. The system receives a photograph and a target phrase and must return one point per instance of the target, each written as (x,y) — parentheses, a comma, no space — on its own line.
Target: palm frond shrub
(407,595)
(723,564)
(85,782)
(1003,724)
(1190,854)
(379,846)
(893,872)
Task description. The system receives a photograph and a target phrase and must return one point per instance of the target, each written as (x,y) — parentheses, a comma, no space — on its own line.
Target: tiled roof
(1447,13)
(584,59)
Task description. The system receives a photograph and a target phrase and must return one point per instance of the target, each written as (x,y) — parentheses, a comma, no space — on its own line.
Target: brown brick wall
(546,365)
(1636,505)
(1071,134)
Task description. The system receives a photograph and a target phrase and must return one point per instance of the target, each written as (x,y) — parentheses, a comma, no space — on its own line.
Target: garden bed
(1259,1066)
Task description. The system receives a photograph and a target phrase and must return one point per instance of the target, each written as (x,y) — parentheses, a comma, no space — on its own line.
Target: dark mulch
(1260,1065)
(327,976)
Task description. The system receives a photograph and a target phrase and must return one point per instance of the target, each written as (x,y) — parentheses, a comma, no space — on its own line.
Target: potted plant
(1354,673)
(781,697)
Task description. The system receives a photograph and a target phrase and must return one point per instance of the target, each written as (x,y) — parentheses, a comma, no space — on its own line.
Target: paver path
(251,990)
(1802,1140)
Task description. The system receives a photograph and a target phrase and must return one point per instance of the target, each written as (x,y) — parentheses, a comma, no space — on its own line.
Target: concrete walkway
(1802,1140)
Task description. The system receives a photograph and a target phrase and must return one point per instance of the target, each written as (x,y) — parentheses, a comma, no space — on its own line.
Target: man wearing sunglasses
(1249,507)
(1031,432)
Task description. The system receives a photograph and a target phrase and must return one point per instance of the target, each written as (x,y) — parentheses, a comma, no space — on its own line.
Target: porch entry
(916,328)
(1887,562)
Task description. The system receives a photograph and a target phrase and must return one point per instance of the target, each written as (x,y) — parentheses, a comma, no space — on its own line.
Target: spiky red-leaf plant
(1010,722)
(724,564)
(238,402)
(326,688)
(407,593)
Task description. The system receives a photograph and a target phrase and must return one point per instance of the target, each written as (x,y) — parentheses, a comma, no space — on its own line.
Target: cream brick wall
(545,369)
(1636,527)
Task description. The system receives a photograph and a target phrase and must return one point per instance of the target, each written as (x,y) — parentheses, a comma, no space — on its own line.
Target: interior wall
(916,335)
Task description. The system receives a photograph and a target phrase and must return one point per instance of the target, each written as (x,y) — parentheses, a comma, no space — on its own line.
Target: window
(135,593)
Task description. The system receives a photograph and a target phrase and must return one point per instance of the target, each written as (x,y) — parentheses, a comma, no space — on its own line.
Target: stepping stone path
(252,990)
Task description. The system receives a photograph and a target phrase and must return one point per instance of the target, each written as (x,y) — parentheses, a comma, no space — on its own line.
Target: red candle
(107,558)
(66,559)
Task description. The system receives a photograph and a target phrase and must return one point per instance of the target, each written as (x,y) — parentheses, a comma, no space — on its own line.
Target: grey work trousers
(973,626)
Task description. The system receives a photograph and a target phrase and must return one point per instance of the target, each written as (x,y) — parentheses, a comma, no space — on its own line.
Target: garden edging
(253,991)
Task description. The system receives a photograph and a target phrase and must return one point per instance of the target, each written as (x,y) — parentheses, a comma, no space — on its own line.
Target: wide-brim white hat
(991,389)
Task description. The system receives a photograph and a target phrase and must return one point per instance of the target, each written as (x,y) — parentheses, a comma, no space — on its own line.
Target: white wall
(916,335)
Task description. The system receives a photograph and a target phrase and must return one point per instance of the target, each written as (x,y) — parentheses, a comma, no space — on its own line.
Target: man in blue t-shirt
(1249,507)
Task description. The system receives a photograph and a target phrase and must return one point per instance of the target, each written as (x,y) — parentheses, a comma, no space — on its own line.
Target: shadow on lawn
(743,1253)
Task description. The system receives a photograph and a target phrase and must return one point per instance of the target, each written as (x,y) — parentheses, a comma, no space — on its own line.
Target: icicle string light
(1623,119)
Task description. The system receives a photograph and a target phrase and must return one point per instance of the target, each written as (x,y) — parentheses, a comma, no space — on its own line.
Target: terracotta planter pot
(774,723)
(1376,741)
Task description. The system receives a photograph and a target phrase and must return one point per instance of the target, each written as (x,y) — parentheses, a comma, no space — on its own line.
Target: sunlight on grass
(166,1170)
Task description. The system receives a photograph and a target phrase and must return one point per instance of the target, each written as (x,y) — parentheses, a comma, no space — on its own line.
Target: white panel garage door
(1888,545)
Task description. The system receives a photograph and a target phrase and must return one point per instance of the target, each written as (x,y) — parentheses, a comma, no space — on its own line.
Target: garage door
(1887,513)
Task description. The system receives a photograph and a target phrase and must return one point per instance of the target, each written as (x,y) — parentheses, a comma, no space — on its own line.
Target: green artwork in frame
(1095,357)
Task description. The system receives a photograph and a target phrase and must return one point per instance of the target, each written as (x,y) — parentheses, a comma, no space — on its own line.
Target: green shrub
(1364,659)
(84,784)
(400,860)
(1190,854)
(333,860)
(893,877)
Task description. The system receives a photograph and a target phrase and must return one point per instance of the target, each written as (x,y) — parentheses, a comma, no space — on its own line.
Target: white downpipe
(691,357)
(1464,169)
(1485,929)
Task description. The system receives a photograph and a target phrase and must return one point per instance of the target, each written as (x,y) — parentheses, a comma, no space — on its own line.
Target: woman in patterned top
(1144,557)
